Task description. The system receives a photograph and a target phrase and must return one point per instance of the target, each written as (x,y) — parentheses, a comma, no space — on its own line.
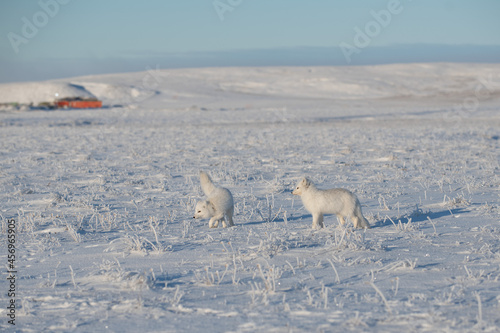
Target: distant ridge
(248,84)
(11,71)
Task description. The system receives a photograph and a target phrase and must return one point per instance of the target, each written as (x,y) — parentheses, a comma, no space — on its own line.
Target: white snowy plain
(103,201)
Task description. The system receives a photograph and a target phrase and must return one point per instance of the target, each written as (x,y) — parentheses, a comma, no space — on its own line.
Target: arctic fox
(218,206)
(337,201)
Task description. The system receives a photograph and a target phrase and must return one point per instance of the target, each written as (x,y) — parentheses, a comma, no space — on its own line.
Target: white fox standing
(218,206)
(337,201)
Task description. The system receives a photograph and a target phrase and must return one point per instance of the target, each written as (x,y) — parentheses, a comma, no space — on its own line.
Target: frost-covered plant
(210,279)
(107,221)
(268,214)
(133,243)
(403,227)
(73,233)
(271,245)
(347,238)
(269,276)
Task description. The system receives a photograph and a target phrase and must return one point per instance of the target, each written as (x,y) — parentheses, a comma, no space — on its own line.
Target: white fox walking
(219,205)
(337,201)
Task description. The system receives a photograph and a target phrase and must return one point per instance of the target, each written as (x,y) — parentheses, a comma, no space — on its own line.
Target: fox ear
(306,182)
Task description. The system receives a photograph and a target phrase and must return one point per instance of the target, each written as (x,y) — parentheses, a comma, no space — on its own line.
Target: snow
(35,92)
(103,201)
(222,87)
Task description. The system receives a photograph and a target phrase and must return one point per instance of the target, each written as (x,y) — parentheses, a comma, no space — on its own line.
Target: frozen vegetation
(104,199)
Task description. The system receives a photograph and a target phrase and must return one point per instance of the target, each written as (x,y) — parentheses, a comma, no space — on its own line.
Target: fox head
(203,210)
(302,186)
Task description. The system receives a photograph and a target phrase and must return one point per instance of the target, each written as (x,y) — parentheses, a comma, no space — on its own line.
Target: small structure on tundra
(78,103)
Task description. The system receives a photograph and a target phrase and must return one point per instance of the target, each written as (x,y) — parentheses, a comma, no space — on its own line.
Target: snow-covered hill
(184,87)
(103,201)
(39,92)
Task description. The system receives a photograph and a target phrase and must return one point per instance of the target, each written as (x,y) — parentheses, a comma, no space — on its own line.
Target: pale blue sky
(77,37)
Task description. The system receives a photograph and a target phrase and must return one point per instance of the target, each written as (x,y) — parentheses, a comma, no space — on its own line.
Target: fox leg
(229,218)
(341,219)
(355,221)
(214,221)
(317,221)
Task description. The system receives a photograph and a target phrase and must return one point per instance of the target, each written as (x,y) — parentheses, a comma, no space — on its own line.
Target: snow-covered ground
(103,201)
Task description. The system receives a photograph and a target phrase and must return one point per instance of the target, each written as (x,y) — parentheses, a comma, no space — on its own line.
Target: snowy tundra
(103,201)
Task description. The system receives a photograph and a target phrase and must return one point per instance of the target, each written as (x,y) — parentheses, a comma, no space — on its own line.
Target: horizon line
(43,69)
